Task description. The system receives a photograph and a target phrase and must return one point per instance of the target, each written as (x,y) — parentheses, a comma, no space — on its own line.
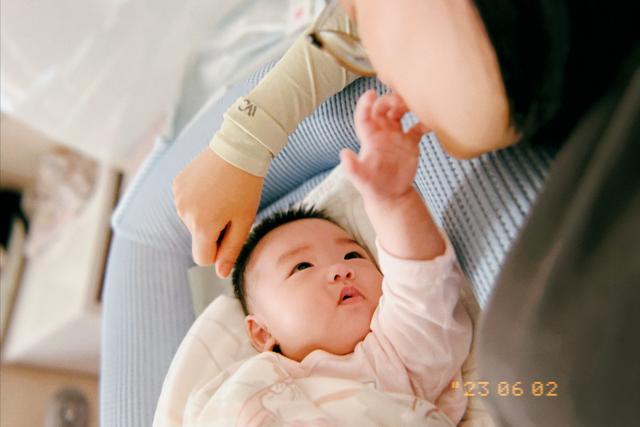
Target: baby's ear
(260,337)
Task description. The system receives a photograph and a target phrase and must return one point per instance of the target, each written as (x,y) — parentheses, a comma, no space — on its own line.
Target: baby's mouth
(349,295)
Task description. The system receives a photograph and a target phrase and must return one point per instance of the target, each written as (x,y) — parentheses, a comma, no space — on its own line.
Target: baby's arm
(383,172)
(420,317)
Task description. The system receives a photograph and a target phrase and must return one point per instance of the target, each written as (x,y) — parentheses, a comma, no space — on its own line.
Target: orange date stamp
(507,388)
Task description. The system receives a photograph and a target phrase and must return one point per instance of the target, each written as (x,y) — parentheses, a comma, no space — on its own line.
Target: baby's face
(312,287)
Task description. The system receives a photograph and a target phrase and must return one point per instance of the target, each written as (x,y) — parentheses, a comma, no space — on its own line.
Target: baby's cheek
(376,287)
(303,313)
(292,315)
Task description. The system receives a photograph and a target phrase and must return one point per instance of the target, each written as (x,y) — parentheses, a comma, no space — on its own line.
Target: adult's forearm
(256,127)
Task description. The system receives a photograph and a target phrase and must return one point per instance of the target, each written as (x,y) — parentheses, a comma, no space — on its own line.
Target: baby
(313,295)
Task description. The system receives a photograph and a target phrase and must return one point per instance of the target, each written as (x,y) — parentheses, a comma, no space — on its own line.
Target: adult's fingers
(234,238)
(204,245)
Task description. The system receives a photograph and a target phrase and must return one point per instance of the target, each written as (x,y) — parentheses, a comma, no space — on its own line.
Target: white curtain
(102,76)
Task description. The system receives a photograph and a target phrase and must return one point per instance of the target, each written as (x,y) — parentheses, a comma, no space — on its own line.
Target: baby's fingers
(416,132)
(352,167)
(389,106)
(362,114)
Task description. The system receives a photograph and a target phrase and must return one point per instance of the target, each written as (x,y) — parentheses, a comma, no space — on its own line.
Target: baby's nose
(340,272)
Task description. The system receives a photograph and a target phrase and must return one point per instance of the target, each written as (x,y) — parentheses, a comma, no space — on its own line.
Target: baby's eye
(301,266)
(352,255)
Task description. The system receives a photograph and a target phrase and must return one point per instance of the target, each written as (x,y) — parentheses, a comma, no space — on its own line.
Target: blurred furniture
(12,265)
(56,315)
(27,393)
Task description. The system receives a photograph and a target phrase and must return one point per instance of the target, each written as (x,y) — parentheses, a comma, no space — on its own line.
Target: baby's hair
(268,224)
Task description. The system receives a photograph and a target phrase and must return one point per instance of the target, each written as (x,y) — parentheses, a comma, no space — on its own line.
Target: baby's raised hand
(386,165)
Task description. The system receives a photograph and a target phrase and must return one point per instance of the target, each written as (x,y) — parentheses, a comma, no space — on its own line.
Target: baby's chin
(349,339)
(339,341)
(340,344)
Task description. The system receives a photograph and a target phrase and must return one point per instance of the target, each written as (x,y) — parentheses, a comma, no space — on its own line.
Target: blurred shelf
(56,317)
(11,272)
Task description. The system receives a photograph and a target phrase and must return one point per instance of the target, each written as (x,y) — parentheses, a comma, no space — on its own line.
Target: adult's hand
(218,203)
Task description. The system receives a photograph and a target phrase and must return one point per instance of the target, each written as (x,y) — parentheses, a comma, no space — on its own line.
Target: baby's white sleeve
(422,317)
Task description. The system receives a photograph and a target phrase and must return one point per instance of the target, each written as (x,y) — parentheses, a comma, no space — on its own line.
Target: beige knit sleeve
(256,127)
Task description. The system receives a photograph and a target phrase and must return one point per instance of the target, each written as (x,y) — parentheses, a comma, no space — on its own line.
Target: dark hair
(557,58)
(265,226)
